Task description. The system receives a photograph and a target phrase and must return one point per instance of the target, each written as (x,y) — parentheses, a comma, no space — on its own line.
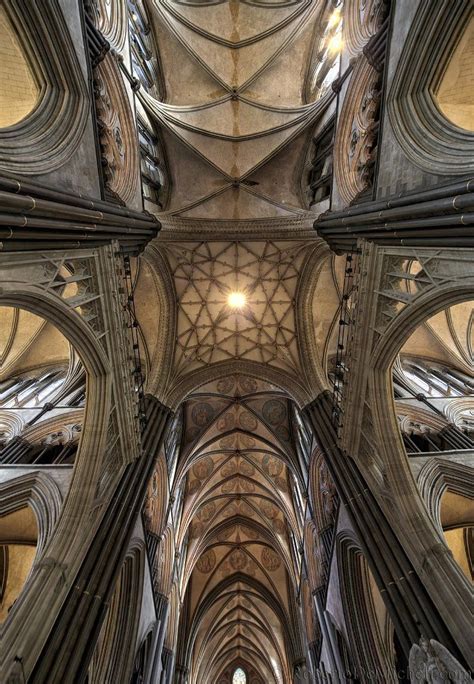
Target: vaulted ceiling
(238,522)
(235,115)
(235,112)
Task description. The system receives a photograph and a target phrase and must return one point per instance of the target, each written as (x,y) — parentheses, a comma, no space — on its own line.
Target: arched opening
(18,543)
(19,90)
(239,676)
(141,660)
(454,93)
(433,383)
(457,520)
(42,391)
(365,613)
(328,55)
(114,653)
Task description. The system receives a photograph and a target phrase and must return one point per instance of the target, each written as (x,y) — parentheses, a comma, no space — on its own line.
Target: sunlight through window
(239,677)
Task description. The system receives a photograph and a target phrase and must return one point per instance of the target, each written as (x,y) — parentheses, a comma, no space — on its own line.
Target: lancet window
(320,175)
(239,676)
(327,69)
(142,48)
(152,179)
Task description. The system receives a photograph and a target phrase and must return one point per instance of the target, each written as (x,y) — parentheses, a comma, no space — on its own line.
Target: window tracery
(435,379)
(326,69)
(425,392)
(239,676)
(150,164)
(320,175)
(41,405)
(143,55)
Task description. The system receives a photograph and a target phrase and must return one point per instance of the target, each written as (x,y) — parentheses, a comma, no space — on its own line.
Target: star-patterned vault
(209,330)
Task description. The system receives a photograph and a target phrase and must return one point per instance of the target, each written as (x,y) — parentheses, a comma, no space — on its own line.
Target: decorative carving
(357,134)
(363,18)
(431,662)
(117,133)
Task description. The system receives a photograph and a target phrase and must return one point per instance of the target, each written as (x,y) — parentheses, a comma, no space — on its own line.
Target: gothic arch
(192,381)
(79,334)
(292,638)
(425,305)
(142,659)
(60,557)
(309,348)
(417,530)
(112,21)
(114,656)
(365,637)
(440,475)
(51,133)
(162,360)
(39,491)
(426,136)
(362,19)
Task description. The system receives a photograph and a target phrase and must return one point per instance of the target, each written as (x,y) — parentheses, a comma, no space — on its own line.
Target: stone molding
(51,133)
(426,136)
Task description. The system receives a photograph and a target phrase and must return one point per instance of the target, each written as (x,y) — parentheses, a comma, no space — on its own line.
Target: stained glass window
(239,677)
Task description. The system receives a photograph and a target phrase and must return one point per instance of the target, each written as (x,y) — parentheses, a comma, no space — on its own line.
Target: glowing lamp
(236,300)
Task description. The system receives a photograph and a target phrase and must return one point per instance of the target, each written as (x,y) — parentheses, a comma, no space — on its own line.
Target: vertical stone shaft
(70,646)
(410,606)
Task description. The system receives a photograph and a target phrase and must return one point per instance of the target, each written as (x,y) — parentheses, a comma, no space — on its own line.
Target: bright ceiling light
(236,300)
(335,44)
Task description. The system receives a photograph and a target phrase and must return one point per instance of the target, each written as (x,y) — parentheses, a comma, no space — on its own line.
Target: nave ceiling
(236,470)
(234,120)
